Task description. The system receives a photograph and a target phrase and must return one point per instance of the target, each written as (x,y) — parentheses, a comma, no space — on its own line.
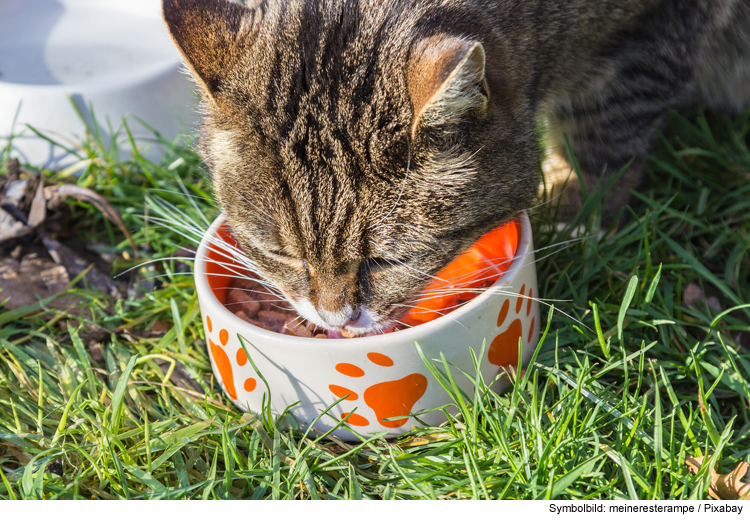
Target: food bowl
(115,55)
(385,382)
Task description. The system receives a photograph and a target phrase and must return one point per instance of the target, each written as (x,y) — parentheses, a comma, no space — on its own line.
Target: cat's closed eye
(290,260)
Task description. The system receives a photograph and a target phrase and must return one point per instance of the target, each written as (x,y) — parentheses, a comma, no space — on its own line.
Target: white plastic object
(113,55)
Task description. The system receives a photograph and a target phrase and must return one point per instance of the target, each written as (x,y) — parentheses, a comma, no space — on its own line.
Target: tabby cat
(358,146)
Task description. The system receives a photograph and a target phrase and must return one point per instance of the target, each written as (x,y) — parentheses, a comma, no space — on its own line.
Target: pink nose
(354,318)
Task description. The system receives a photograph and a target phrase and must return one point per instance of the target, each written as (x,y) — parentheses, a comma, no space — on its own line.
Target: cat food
(255,304)
(461,281)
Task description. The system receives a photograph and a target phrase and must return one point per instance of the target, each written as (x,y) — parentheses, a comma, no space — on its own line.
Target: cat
(357,147)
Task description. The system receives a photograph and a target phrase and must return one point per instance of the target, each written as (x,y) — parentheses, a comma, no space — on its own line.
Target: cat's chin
(372,330)
(359,331)
(341,333)
(367,324)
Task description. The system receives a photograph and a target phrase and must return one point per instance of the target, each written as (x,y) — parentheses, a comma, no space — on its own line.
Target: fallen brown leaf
(180,375)
(427,439)
(75,265)
(23,458)
(38,209)
(24,283)
(13,170)
(160,328)
(57,193)
(729,486)
(693,294)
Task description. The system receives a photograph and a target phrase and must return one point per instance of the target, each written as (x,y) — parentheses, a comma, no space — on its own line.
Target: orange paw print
(224,363)
(387,399)
(503,351)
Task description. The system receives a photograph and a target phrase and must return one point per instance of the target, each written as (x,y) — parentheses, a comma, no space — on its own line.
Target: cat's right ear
(211,35)
(446,81)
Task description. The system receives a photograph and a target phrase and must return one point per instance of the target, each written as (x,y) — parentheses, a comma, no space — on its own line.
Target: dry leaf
(14,170)
(23,458)
(75,265)
(11,228)
(513,373)
(180,375)
(57,193)
(160,328)
(729,486)
(38,209)
(12,196)
(693,294)
(24,283)
(427,439)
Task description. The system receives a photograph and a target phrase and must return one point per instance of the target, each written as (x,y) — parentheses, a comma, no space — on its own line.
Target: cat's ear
(210,34)
(446,81)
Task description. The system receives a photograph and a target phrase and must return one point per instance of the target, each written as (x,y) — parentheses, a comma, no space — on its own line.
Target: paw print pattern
(503,351)
(387,399)
(224,363)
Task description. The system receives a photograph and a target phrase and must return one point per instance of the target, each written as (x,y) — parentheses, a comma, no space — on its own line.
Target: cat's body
(358,146)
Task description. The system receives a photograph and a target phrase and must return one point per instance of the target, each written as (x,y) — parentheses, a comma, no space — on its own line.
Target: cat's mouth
(381,325)
(356,330)
(366,323)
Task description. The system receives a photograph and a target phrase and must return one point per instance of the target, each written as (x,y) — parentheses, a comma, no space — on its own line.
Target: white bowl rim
(131,78)
(213,305)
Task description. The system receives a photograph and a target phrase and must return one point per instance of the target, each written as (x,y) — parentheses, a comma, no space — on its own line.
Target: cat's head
(355,146)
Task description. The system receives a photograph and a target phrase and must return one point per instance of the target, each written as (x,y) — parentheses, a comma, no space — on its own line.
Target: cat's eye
(295,262)
(282,255)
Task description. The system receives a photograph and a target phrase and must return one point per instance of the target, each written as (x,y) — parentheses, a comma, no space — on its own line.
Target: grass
(610,410)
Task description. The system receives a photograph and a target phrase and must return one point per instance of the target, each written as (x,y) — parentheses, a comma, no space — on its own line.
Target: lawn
(644,362)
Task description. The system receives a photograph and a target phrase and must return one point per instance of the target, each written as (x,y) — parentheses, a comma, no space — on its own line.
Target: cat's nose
(354,318)
(339,318)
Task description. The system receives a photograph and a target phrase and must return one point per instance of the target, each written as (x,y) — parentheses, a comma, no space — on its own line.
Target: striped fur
(357,146)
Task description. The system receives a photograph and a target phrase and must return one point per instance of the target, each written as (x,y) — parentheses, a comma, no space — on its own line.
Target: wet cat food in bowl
(382,378)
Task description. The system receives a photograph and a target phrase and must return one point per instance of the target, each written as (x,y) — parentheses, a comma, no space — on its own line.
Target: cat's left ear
(446,81)
(211,35)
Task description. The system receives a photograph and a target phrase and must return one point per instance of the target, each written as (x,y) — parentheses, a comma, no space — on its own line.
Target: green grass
(610,410)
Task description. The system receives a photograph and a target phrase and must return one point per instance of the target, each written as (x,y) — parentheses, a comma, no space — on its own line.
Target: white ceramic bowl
(384,375)
(115,54)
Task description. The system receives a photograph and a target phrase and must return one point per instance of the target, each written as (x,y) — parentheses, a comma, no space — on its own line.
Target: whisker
(435,240)
(401,192)
(269,218)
